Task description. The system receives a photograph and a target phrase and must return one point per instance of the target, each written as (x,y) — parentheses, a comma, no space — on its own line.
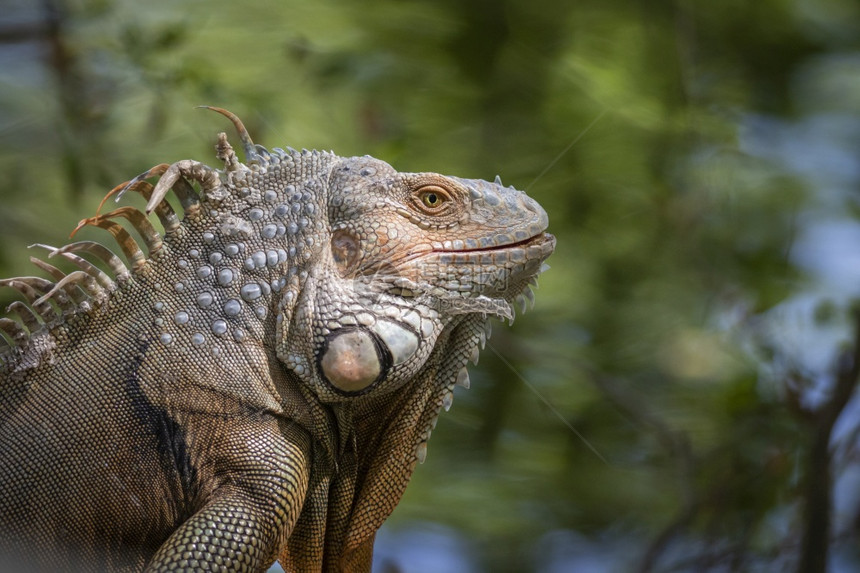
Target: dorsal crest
(50,302)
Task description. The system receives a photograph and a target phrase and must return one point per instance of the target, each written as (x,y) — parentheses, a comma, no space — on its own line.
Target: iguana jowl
(259,384)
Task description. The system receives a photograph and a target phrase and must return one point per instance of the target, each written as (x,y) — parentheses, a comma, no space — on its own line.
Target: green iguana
(259,384)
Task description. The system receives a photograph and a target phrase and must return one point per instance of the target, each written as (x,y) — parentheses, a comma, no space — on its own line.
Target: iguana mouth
(538,239)
(447,248)
(537,247)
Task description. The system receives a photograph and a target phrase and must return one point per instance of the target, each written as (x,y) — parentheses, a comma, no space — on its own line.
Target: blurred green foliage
(633,407)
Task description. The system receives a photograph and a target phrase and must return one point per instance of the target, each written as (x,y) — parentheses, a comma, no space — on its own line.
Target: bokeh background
(680,398)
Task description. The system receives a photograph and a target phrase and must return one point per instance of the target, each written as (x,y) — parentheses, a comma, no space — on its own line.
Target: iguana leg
(360,559)
(248,517)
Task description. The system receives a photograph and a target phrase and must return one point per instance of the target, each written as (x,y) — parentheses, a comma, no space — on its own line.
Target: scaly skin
(261,384)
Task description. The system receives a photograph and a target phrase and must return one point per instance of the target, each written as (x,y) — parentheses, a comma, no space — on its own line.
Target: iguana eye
(432,199)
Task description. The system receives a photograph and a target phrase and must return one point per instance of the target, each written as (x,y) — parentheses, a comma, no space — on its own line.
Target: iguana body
(262,382)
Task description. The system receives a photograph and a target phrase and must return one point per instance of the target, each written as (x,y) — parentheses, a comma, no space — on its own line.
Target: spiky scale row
(128,245)
(25,313)
(74,291)
(71,293)
(91,282)
(463,378)
(179,171)
(120,271)
(14,331)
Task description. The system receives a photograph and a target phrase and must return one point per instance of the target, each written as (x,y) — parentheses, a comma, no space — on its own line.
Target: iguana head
(409,255)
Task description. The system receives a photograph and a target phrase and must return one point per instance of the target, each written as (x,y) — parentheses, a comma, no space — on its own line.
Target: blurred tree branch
(817,493)
(678,446)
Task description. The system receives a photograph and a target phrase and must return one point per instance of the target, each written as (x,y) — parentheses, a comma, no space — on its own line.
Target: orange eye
(432,198)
